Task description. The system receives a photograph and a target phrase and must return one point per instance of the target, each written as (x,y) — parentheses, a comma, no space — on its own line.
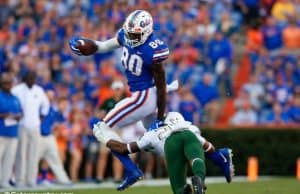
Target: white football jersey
(154,141)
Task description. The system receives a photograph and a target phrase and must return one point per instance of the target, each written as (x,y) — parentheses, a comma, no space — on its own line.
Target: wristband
(129,148)
(209,147)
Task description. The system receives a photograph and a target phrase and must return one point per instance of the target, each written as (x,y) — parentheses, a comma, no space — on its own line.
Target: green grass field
(277,186)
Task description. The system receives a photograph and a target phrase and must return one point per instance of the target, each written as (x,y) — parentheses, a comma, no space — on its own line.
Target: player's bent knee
(194,160)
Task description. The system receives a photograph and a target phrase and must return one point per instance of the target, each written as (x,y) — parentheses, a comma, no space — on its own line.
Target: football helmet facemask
(138,26)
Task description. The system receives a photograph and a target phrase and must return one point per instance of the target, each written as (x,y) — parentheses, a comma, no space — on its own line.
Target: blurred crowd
(272,95)
(202,37)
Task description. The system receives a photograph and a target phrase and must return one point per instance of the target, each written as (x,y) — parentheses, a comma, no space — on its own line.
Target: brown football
(87,47)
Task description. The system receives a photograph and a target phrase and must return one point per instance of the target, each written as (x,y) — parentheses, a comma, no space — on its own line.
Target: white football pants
(49,151)
(27,157)
(8,149)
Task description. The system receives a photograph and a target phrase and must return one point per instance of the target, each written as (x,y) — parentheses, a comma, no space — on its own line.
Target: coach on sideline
(35,106)
(10,114)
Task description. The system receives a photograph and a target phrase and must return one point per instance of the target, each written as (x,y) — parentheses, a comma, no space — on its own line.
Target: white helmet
(173,117)
(138,26)
(176,120)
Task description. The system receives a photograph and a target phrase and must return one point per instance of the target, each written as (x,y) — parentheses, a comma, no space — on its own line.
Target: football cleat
(227,164)
(198,185)
(187,189)
(130,179)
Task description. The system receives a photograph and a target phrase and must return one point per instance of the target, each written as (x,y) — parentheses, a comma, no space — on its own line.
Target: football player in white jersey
(181,138)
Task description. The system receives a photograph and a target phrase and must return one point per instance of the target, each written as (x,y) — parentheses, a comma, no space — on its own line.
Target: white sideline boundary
(142,183)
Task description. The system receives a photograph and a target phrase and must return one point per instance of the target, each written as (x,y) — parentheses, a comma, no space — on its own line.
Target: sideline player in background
(48,149)
(35,106)
(166,140)
(142,57)
(10,114)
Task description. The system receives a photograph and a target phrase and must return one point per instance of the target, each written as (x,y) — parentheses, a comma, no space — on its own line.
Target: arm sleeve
(145,141)
(45,105)
(201,139)
(108,45)
(197,133)
(161,53)
(15,91)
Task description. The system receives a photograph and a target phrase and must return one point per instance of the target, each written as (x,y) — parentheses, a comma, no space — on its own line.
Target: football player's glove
(74,43)
(156,124)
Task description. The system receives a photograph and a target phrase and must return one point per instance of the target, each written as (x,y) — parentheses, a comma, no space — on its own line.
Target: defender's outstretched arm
(123,148)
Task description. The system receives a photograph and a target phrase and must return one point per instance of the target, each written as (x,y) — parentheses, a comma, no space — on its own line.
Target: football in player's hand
(87,46)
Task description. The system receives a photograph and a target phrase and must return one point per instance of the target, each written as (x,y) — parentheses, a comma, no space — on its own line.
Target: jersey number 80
(132,63)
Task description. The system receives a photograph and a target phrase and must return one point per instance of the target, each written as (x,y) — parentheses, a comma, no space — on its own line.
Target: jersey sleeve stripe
(160,58)
(161,54)
(161,51)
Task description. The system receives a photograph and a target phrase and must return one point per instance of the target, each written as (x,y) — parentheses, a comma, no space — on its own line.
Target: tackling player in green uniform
(182,144)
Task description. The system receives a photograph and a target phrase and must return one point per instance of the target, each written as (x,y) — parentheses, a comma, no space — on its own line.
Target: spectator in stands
(219,60)
(76,128)
(256,91)
(245,116)
(277,117)
(207,94)
(291,74)
(35,106)
(227,25)
(283,9)
(254,39)
(243,96)
(10,114)
(205,27)
(188,106)
(104,91)
(92,146)
(249,8)
(281,93)
(186,53)
(219,48)
(291,35)
(23,9)
(294,110)
(266,7)
(5,12)
(56,67)
(272,34)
